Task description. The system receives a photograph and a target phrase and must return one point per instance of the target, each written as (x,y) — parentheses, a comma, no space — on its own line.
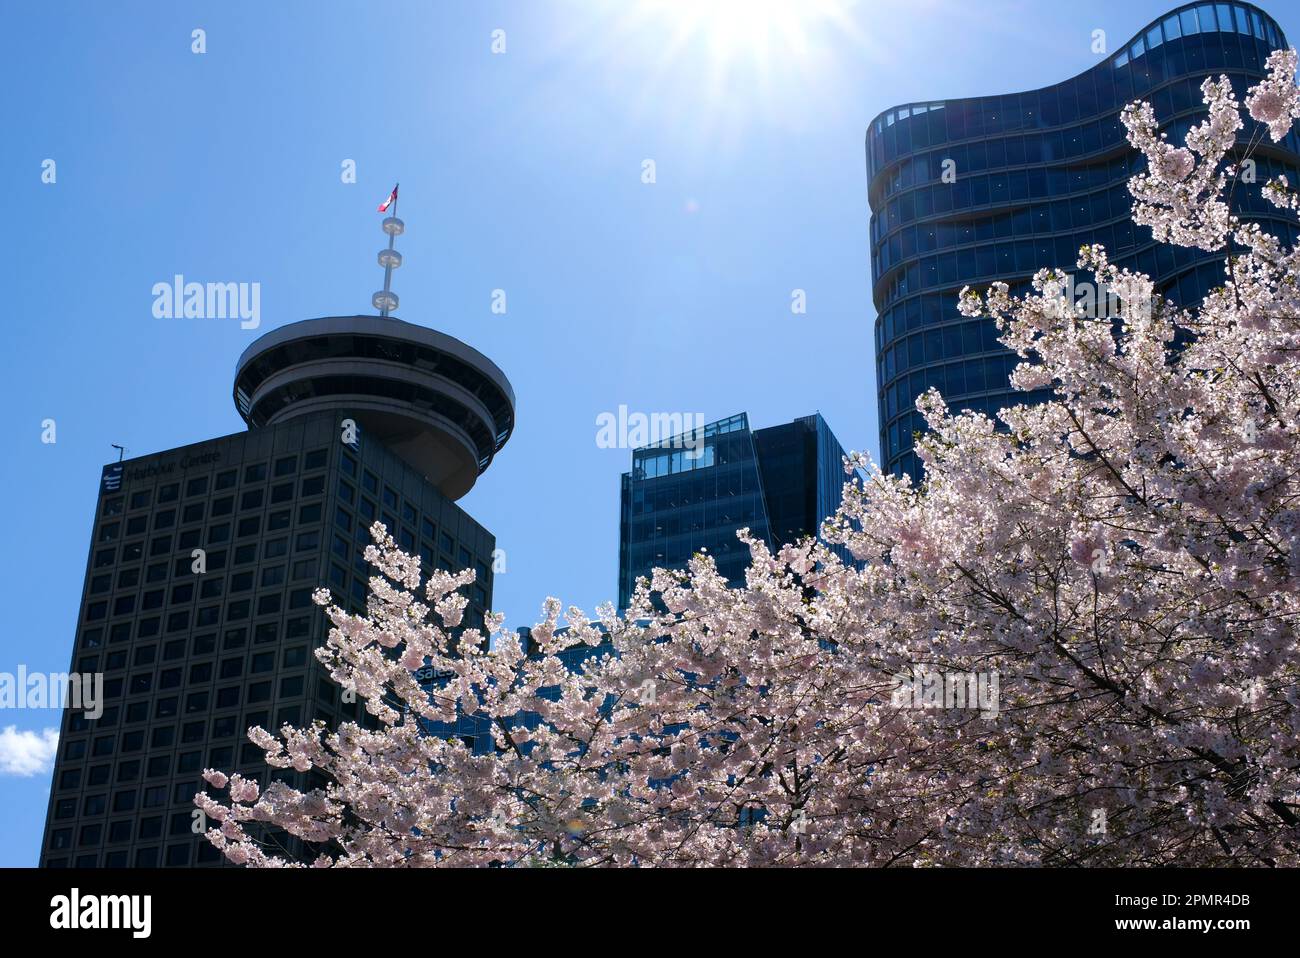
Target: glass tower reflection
(779,482)
(1031,178)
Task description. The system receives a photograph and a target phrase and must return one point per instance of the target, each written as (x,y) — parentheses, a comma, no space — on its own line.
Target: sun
(716,70)
(744,34)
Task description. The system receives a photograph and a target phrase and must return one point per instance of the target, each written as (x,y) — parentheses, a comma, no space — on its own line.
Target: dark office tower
(351,419)
(1037,175)
(779,482)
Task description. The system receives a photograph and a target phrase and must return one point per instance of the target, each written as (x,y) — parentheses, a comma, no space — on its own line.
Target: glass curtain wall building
(1034,176)
(352,420)
(779,482)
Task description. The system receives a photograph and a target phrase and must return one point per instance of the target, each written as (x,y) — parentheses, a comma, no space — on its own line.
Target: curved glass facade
(1032,177)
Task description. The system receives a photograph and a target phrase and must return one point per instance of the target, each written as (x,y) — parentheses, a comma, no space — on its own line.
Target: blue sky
(520,171)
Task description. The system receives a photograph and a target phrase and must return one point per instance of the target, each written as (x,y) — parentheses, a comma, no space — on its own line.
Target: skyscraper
(197,598)
(780,482)
(995,188)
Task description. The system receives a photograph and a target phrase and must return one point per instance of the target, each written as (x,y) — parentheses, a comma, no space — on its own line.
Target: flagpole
(389,258)
(388,268)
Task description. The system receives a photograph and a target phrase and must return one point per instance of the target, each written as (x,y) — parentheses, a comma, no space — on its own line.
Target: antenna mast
(386,300)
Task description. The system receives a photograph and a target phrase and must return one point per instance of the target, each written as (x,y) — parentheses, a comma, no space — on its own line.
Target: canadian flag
(392,198)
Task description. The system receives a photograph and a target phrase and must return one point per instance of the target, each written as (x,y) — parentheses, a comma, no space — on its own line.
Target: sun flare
(736,33)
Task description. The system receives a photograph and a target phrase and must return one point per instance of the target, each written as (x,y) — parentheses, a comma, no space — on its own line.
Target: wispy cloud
(27,753)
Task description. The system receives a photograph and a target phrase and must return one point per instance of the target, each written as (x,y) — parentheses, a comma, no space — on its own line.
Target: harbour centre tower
(196,604)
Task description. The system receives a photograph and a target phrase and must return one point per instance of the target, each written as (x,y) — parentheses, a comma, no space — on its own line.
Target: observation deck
(437,403)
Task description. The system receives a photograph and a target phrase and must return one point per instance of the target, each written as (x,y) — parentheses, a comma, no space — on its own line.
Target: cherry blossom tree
(1072,644)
